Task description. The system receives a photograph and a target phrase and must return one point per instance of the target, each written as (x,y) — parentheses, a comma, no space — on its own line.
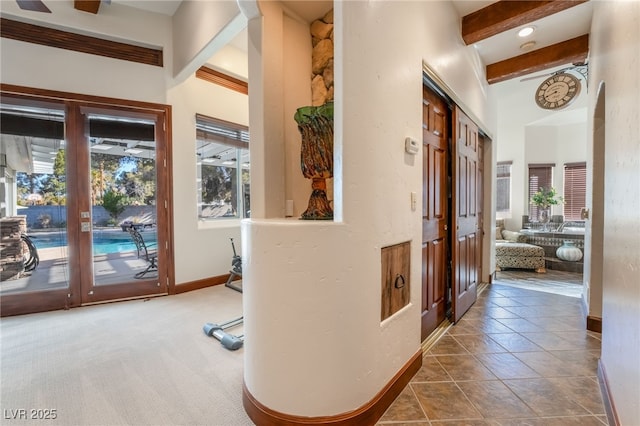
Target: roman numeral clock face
(557,91)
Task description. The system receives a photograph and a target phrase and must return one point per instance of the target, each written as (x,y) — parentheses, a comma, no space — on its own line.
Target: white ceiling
(553,29)
(558,27)
(561,26)
(165,7)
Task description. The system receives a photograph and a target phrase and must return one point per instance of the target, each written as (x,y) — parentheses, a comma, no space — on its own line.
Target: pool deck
(52,272)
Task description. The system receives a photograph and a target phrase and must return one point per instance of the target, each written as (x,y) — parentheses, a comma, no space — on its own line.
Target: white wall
(201,28)
(312,289)
(42,67)
(527,134)
(202,248)
(559,145)
(615,59)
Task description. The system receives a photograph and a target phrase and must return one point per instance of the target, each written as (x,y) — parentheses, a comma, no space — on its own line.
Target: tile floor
(518,357)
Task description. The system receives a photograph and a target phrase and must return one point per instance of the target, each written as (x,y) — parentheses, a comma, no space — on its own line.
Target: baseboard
(609,407)
(368,414)
(594,324)
(199,284)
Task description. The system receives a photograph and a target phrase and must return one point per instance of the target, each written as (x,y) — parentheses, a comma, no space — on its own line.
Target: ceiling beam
(90,6)
(575,50)
(507,14)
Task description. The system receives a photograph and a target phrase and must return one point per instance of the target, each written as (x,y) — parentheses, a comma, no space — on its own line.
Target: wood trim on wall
(37,34)
(203,283)
(221,79)
(368,414)
(594,324)
(609,406)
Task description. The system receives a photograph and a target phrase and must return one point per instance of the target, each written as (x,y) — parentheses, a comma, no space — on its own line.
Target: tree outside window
(222,149)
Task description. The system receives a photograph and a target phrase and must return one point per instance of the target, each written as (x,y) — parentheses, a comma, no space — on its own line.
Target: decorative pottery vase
(568,251)
(315,124)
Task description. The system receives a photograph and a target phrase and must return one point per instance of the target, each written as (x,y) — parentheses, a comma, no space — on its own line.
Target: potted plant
(544,199)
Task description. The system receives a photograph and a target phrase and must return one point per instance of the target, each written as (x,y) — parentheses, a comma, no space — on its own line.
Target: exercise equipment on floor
(236,270)
(228,340)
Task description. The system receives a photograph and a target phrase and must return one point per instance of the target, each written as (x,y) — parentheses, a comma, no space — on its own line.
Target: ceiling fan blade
(537,76)
(33,5)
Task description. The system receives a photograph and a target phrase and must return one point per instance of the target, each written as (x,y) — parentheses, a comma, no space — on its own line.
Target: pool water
(103,242)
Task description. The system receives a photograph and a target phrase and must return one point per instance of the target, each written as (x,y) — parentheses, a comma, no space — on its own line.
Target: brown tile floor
(518,357)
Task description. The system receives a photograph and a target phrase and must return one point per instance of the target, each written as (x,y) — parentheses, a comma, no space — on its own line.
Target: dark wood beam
(575,50)
(224,80)
(52,37)
(507,14)
(90,6)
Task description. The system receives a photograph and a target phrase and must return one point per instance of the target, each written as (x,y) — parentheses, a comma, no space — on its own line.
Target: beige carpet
(127,363)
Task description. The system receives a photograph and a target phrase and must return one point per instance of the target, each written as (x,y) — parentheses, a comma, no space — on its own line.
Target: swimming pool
(104,242)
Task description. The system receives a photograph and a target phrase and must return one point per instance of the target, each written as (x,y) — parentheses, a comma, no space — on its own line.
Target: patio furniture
(144,252)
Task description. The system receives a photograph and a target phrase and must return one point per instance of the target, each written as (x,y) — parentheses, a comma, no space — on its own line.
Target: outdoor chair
(144,252)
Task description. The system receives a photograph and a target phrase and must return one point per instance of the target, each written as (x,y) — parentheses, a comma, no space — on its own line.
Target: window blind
(575,189)
(503,186)
(215,130)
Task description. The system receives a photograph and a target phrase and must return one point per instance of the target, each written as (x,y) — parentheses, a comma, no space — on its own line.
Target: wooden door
(466,194)
(435,216)
(54,152)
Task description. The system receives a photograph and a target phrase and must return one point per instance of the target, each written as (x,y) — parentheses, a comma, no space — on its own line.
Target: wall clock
(558,91)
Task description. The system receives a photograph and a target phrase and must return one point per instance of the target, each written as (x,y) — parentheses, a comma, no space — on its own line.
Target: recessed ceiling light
(527,45)
(526,31)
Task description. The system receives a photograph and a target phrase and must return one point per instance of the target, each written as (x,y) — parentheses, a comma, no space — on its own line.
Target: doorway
(82,178)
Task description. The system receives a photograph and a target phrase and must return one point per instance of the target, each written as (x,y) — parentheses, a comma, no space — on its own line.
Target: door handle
(399,283)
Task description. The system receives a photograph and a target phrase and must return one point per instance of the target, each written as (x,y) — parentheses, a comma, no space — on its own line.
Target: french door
(79,176)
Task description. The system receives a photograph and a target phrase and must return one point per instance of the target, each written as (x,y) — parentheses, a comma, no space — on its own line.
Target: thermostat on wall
(411,146)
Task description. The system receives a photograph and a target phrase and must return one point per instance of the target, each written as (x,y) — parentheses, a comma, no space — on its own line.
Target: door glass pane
(33,194)
(123,196)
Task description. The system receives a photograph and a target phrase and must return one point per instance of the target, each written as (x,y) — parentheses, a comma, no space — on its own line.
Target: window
(222,157)
(575,188)
(503,189)
(540,176)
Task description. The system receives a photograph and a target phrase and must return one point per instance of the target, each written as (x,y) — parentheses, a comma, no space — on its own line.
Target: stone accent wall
(322,60)
(11,247)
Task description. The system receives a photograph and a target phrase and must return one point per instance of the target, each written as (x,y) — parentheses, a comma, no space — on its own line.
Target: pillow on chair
(515,237)
(498,233)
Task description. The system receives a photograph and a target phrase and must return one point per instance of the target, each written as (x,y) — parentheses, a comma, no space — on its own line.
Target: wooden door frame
(65,298)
